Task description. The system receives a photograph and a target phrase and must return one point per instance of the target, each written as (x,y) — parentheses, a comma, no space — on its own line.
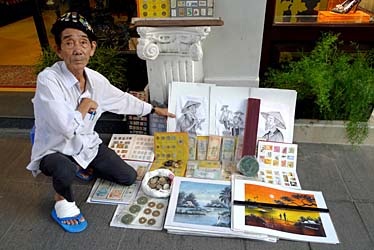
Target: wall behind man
(232,52)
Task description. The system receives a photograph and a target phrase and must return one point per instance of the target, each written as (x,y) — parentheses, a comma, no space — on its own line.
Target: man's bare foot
(85,174)
(68,222)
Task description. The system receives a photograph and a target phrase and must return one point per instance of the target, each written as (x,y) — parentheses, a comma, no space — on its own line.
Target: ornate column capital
(171,41)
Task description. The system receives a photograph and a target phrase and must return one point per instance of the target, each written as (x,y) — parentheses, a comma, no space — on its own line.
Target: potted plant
(340,84)
(107,60)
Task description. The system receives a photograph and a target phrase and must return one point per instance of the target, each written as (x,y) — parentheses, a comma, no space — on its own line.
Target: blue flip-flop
(70,228)
(82,174)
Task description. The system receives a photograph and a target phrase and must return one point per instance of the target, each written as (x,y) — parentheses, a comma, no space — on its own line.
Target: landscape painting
(203,207)
(286,220)
(282,212)
(204,204)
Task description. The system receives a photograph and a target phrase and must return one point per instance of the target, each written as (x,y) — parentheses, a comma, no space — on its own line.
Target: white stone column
(172,54)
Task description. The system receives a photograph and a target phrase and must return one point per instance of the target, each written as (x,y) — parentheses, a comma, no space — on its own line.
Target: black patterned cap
(73,20)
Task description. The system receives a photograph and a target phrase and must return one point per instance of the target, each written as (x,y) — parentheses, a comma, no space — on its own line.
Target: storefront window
(324,11)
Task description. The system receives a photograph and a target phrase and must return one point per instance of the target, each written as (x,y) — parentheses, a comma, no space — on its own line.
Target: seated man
(69,100)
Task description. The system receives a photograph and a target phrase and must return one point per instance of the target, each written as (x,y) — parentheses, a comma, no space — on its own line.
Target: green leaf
(340,83)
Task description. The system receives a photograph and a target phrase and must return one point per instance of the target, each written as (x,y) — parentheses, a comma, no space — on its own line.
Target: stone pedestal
(172,49)
(172,54)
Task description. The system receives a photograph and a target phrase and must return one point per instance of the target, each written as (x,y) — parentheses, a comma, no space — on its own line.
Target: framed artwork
(191,8)
(285,213)
(153,9)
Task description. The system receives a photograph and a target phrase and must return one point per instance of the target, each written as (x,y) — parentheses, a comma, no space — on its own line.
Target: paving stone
(26,203)
(356,166)
(280,245)
(351,232)
(317,170)
(366,210)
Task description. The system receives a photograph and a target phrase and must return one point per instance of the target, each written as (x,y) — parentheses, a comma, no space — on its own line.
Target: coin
(147,211)
(134,209)
(142,220)
(127,218)
(142,200)
(151,204)
(151,222)
(156,213)
(160,205)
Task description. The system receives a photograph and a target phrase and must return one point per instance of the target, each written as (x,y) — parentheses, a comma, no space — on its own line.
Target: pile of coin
(159,182)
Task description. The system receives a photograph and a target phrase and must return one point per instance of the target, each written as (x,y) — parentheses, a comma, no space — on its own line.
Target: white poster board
(228,107)
(220,110)
(190,103)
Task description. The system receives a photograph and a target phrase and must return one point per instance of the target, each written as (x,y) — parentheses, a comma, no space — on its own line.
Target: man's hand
(87,105)
(163,112)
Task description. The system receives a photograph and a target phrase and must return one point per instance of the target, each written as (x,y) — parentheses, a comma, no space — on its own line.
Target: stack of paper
(220,110)
(106,192)
(202,207)
(280,212)
(136,151)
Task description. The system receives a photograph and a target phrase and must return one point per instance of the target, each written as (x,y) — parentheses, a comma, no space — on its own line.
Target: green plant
(47,58)
(341,84)
(107,61)
(112,64)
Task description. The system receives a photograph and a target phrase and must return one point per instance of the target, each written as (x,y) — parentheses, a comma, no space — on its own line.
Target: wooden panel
(176,22)
(251,126)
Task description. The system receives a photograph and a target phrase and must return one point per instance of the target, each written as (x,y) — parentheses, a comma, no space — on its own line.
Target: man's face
(236,119)
(270,122)
(76,49)
(191,111)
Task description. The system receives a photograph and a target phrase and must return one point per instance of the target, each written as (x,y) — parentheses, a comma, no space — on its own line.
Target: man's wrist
(153,110)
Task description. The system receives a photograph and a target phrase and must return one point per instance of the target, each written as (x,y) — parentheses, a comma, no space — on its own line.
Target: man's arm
(163,112)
